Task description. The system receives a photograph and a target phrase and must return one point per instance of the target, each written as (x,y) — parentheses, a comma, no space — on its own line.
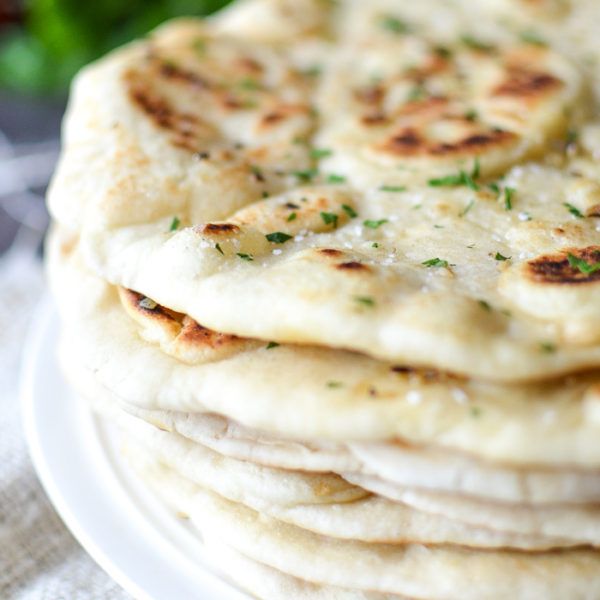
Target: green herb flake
(306,176)
(374,245)
(501,257)
(365,301)
(291,217)
(475,411)
(532,37)
(278,237)
(572,137)
(318,153)
(548,347)
(508,197)
(471,115)
(466,209)
(485,305)
(476,172)
(199,46)
(333,178)
(249,84)
(349,211)
(494,187)
(392,188)
(475,44)
(461,178)
(244,256)
(272,345)
(219,249)
(147,303)
(582,265)
(374,224)
(329,219)
(394,25)
(175,223)
(418,92)
(436,262)
(573,210)
(334,384)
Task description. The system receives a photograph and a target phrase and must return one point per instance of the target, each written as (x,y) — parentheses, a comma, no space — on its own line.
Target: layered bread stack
(334,269)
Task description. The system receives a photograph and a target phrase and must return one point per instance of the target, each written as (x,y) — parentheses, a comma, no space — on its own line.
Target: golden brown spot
(272,117)
(556,269)
(353,266)
(593,211)
(527,84)
(135,302)
(330,252)
(370,95)
(249,65)
(220,229)
(377,118)
(197,335)
(173,72)
(425,375)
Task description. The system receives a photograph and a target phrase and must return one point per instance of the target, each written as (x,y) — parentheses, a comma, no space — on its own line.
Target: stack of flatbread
(334,270)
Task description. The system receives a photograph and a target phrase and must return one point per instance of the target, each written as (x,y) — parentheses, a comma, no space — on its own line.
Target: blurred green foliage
(60,36)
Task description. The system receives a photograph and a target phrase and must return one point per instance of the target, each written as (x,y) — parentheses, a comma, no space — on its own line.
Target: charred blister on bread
(561,268)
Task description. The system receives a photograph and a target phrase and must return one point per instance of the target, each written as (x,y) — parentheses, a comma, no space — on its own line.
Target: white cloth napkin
(39,558)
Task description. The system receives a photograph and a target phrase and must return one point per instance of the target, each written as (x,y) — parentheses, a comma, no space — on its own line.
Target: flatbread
(310,394)
(414,570)
(440,275)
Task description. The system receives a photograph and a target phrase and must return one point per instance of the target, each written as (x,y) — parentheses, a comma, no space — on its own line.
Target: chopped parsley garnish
(257,172)
(418,92)
(329,218)
(374,224)
(278,237)
(475,44)
(393,188)
(244,256)
(365,301)
(436,262)
(175,224)
(499,256)
(306,175)
(532,37)
(485,305)
(333,384)
(475,411)
(394,25)
(333,178)
(461,178)
(317,153)
(573,210)
(249,84)
(547,347)
(508,197)
(349,211)
(471,115)
(291,217)
(219,249)
(442,52)
(272,345)
(313,71)
(572,137)
(374,245)
(147,303)
(476,169)
(466,209)
(494,187)
(582,265)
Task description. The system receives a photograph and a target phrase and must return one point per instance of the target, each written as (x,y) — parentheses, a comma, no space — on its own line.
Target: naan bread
(167,175)
(309,393)
(414,570)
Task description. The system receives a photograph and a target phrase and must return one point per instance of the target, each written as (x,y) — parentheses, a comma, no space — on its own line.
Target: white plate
(136,540)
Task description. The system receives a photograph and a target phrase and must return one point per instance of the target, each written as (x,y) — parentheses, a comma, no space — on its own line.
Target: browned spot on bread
(134,301)
(173,72)
(353,265)
(220,229)
(527,84)
(281,113)
(377,118)
(593,211)
(249,65)
(409,142)
(556,269)
(330,252)
(372,95)
(199,336)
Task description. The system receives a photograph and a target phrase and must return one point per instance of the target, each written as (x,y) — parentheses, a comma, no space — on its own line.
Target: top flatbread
(182,154)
